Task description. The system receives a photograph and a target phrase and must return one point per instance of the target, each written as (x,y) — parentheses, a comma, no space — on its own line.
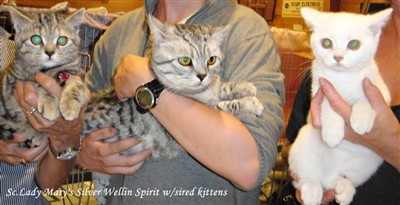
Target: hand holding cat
(132,72)
(383,139)
(108,158)
(12,154)
(26,96)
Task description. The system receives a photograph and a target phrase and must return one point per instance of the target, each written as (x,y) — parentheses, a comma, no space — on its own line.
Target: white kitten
(344,45)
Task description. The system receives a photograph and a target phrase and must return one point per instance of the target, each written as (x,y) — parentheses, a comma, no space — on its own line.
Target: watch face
(145,98)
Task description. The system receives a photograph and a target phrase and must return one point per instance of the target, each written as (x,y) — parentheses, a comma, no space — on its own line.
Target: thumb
(374,95)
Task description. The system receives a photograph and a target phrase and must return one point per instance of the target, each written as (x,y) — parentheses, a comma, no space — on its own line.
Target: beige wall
(282,22)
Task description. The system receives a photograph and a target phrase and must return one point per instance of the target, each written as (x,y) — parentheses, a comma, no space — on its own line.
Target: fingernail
(114,131)
(368,82)
(321,81)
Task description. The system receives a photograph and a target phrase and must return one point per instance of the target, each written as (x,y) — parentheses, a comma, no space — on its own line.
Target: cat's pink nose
(338,58)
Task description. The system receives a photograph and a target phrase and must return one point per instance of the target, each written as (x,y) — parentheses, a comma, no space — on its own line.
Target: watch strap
(156,88)
(66,154)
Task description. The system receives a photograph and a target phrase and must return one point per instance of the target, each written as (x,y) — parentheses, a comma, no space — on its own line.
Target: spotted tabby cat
(46,41)
(186,59)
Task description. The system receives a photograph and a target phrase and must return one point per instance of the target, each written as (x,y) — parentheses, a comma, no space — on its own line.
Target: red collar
(63,76)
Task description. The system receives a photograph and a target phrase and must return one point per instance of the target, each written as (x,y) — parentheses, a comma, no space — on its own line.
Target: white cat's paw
(344,191)
(332,130)
(48,107)
(362,118)
(311,192)
(332,135)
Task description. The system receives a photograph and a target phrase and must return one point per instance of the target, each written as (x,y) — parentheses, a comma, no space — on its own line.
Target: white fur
(320,158)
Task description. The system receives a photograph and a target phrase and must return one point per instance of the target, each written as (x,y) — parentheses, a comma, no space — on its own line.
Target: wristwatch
(146,95)
(66,154)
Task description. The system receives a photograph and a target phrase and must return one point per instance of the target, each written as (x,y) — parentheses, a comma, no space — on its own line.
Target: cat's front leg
(47,105)
(332,125)
(233,90)
(362,117)
(73,98)
(249,104)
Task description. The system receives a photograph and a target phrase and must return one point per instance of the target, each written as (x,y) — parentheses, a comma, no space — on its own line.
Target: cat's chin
(337,68)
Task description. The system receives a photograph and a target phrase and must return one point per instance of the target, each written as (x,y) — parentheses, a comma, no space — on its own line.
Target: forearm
(390,150)
(216,139)
(51,172)
(58,174)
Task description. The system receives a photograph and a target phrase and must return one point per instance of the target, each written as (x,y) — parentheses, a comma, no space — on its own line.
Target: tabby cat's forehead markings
(194,36)
(48,23)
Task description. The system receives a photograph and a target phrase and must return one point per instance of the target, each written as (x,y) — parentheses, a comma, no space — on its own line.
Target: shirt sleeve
(251,55)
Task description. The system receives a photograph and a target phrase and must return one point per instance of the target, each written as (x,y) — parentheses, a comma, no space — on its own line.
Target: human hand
(27,96)
(11,153)
(132,72)
(105,157)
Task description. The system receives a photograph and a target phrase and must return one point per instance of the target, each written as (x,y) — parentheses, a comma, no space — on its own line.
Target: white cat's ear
(19,20)
(379,20)
(309,15)
(220,32)
(75,19)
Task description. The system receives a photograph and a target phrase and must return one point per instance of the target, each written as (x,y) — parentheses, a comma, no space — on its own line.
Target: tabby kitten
(46,41)
(186,59)
(344,47)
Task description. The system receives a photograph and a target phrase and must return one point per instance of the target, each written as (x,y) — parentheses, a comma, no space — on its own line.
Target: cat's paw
(232,90)
(73,98)
(362,118)
(48,106)
(311,192)
(249,104)
(344,191)
(70,110)
(332,137)
(253,105)
(332,130)
(246,89)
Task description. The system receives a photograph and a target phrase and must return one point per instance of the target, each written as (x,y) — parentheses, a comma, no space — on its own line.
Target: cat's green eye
(36,40)
(212,60)
(326,43)
(354,44)
(62,40)
(185,61)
